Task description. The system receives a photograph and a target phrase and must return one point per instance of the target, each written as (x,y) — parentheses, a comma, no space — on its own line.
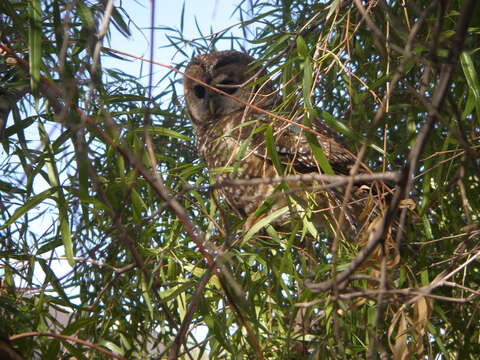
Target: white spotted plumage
(231,134)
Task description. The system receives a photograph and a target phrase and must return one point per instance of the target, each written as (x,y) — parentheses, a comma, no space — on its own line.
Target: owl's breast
(247,198)
(229,157)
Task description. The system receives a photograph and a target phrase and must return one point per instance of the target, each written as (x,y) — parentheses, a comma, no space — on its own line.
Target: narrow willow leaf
(257,18)
(302,47)
(332,7)
(317,150)
(9,188)
(125,341)
(111,99)
(279,39)
(339,126)
(79,324)
(74,351)
(119,23)
(30,204)
(469,105)
(146,297)
(424,277)
(318,153)
(242,149)
(272,151)
(308,225)
(472,79)
(19,126)
(182,17)
(273,233)
(182,305)
(470,74)
(53,280)
(172,292)
(53,349)
(336,124)
(142,111)
(157,130)
(34,42)
(221,170)
(86,15)
(65,233)
(263,223)
(112,346)
(62,205)
(138,205)
(307,85)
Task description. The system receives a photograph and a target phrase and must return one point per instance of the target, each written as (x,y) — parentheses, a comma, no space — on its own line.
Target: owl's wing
(294,149)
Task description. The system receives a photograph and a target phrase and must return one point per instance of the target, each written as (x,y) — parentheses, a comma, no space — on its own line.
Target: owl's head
(231,72)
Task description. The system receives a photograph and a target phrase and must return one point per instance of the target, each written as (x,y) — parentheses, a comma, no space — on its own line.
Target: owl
(232,140)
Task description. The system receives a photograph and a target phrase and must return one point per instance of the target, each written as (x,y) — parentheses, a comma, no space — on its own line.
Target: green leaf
(53,280)
(138,205)
(112,347)
(119,23)
(222,170)
(317,150)
(263,222)
(146,297)
(424,276)
(86,15)
(318,153)
(182,17)
(242,149)
(9,188)
(62,205)
(332,7)
(158,130)
(19,126)
(29,205)
(302,47)
(272,151)
(77,325)
(112,99)
(172,292)
(53,349)
(34,42)
(472,78)
(307,85)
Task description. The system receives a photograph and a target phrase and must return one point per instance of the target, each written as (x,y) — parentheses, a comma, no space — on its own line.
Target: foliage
(108,216)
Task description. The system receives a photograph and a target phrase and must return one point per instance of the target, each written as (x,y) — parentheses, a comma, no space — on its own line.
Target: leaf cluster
(110,231)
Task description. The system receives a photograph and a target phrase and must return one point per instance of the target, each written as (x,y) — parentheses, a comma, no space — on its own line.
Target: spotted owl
(231,138)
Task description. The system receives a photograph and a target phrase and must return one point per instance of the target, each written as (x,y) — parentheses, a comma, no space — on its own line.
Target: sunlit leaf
(35,42)
(29,205)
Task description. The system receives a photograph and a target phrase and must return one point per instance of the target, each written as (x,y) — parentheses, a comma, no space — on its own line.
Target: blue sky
(216,15)
(210,14)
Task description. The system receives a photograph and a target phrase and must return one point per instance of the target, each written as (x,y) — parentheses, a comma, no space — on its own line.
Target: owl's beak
(212,106)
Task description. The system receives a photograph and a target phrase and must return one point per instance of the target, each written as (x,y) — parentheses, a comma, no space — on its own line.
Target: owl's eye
(227,86)
(199,91)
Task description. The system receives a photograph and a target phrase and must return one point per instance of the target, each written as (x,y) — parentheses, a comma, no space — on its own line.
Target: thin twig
(406,181)
(67,338)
